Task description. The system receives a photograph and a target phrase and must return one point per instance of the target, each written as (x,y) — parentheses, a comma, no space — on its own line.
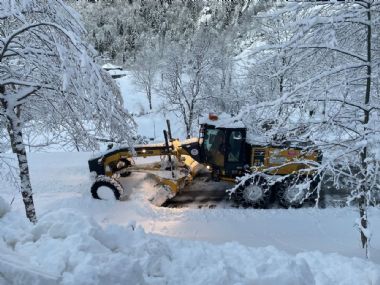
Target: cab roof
(223,121)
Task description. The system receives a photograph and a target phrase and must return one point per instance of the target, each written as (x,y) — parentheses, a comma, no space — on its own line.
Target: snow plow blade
(169,186)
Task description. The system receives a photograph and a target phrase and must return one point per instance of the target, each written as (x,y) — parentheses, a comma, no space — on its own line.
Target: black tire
(254,193)
(289,195)
(109,182)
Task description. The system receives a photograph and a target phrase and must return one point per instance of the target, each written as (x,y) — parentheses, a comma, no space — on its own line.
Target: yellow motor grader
(222,151)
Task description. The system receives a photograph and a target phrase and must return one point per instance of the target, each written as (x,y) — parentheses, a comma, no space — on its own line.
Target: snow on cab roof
(223,120)
(227,121)
(255,138)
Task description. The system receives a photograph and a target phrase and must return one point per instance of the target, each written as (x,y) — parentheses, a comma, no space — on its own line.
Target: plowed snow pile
(80,240)
(66,247)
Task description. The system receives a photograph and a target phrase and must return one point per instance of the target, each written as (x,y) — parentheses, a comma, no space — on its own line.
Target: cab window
(235,141)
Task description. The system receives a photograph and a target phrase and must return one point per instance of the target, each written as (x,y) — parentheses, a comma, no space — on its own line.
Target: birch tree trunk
(18,147)
(363,196)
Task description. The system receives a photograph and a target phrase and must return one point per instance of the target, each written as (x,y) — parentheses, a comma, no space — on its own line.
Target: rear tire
(290,195)
(108,182)
(254,193)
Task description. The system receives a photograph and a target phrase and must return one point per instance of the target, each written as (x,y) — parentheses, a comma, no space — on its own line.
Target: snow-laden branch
(288,95)
(7,40)
(332,48)
(362,107)
(25,83)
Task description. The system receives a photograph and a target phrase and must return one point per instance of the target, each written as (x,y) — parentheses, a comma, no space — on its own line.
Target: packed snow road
(296,246)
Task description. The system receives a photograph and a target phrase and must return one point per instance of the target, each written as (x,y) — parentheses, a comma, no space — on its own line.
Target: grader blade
(168,186)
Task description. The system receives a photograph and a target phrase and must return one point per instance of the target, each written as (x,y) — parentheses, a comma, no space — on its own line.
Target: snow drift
(66,247)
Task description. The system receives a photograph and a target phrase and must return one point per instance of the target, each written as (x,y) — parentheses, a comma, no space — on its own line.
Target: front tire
(106,183)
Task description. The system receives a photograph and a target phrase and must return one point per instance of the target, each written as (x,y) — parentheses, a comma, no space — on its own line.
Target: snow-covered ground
(79,240)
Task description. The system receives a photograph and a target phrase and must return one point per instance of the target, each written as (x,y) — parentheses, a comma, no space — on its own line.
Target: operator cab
(224,150)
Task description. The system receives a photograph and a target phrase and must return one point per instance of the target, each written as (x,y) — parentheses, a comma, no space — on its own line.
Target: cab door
(213,147)
(235,152)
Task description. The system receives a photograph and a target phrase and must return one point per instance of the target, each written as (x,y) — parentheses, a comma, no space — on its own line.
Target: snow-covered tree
(145,70)
(47,75)
(333,99)
(189,79)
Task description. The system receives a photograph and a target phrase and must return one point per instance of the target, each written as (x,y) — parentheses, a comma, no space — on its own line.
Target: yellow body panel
(281,161)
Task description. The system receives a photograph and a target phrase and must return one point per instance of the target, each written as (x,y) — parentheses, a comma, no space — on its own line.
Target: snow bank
(4,207)
(66,247)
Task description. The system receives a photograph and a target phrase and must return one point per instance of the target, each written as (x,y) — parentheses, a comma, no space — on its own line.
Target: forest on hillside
(164,41)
